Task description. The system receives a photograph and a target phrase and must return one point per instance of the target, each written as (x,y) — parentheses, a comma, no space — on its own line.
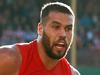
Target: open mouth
(60,46)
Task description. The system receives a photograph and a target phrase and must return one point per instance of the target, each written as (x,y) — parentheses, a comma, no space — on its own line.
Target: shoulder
(9,51)
(9,59)
(74,71)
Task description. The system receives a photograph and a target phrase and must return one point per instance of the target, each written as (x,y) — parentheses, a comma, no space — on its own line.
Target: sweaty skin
(56,36)
(10,57)
(10,60)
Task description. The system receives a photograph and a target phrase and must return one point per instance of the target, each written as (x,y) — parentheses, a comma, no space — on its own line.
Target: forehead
(62,18)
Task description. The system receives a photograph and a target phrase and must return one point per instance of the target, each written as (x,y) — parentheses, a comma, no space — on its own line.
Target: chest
(36,67)
(32,64)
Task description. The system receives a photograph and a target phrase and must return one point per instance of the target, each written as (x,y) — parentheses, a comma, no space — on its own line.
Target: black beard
(48,48)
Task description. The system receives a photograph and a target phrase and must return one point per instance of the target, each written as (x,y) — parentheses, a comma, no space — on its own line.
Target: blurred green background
(18,23)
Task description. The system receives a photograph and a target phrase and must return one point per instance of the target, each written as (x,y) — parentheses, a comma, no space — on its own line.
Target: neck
(48,62)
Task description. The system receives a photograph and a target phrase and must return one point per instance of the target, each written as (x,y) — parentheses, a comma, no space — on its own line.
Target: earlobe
(40,29)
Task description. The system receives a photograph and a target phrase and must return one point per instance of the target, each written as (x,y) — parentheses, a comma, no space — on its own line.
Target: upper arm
(9,60)
(74,71)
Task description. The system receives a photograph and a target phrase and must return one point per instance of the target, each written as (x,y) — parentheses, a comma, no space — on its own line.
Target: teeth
(61,43)
(58,47)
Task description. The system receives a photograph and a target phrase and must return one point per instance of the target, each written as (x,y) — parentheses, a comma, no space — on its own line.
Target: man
(46,54)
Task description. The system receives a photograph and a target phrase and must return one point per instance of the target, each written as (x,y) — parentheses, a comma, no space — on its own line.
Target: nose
(62,33)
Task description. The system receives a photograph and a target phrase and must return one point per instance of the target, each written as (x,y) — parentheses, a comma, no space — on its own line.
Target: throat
(50,64)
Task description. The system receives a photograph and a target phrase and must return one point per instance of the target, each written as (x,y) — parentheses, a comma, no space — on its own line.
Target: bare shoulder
(10,60)
(74,71)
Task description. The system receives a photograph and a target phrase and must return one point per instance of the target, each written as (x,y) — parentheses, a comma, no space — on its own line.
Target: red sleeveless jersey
(32,64)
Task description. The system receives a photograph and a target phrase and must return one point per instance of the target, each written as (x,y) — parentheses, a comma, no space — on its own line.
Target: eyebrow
(70,25)
(55,22)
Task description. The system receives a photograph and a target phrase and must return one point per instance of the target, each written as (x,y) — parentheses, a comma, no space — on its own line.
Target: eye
(68,28)
(56,26)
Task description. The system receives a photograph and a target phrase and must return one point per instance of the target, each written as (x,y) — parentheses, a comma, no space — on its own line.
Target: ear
(40,29)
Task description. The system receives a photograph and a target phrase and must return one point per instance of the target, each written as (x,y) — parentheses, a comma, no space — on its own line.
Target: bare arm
(10,60)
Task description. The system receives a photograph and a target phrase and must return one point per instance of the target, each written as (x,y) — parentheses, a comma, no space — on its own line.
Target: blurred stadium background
(19,18)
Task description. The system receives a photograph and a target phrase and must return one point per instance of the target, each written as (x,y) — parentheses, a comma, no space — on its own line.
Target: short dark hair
(55,6)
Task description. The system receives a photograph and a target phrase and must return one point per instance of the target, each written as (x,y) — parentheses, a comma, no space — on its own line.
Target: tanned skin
(10,60)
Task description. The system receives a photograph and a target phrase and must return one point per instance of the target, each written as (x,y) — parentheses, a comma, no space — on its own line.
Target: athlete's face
(57,34)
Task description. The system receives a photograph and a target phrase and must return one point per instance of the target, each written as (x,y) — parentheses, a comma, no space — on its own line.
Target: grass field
(84,70)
